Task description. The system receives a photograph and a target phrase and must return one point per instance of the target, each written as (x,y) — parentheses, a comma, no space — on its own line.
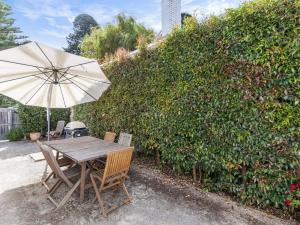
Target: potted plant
(34,136)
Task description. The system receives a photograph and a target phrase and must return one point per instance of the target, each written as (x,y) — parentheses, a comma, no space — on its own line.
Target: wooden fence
(8,119)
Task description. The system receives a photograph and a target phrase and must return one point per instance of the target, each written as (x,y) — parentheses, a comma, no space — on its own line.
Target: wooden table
(84,149)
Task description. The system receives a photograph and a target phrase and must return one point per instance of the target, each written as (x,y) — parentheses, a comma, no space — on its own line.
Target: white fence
(8,119)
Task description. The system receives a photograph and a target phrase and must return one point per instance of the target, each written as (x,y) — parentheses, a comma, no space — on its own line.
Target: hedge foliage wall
(223,94)
(34,119)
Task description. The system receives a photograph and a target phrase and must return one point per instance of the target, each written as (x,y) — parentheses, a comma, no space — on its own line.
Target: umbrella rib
(32,75)
(62,95)
(36,91)
(88,78)
(68,67)
(23,64)
(44,54)
(80,87)
(63,74)
(45,74)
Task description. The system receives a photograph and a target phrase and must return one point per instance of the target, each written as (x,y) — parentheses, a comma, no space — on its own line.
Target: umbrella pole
(48,136)
(48,122)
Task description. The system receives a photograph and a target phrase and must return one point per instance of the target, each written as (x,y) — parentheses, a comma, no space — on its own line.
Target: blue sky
(50,21)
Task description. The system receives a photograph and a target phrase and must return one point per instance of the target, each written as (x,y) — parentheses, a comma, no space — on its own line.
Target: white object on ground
(38,156)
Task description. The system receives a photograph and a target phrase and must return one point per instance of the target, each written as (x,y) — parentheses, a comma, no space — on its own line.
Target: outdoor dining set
(35,74)
(74,161)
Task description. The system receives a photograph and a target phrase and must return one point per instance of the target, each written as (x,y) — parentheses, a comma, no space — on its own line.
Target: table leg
(82,181)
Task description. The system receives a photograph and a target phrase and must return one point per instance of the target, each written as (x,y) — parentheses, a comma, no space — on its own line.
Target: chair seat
(72,171)
(52,132)
(64,161)
(98,173)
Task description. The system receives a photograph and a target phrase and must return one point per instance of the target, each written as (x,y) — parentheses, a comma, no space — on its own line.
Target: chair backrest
(125,139)
(109,136)
(117,163)
(52,162)
(60,126)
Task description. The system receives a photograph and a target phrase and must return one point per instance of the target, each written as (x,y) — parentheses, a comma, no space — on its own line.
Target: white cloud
(35,9)
(53,33)
(152,20)
(186,2)
(53,23)
(102,14)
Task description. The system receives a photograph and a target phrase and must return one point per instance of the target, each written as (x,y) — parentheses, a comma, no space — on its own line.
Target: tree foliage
(184,15)
(106,40)
(10,35)
(223,94)
(82,26)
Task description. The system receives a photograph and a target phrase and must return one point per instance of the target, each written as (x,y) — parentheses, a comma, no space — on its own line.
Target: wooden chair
(109,136)
(113,176)
(62,162)
(63,177)
(125,139)
(59,129)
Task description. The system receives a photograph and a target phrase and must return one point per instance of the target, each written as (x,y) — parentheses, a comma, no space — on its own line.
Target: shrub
(293,199)
(15,134)
(34,119)
(222,94)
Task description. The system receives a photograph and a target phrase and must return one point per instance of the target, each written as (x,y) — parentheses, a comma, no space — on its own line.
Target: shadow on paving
(16,148)
(154,203)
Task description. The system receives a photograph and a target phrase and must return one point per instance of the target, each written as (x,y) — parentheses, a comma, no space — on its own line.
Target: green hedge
(223,94)
(15,134)
(34,119)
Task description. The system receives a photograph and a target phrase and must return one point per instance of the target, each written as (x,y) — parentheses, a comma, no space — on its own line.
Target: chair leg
(126,201)
(44,181)
(54,187)
(68,195)
(48,177)
(97,191)
(126,192)
(45,171)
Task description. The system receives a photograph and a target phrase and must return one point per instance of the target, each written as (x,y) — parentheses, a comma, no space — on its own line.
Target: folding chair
(98,163)
(109,136)
(63,177)
(125,139)
(113,176)
(59,129)
(62,162)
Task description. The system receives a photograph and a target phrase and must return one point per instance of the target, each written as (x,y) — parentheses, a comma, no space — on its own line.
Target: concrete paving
(23,200)
(18,148)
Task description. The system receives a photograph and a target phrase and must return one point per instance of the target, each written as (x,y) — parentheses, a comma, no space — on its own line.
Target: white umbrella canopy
(39,75)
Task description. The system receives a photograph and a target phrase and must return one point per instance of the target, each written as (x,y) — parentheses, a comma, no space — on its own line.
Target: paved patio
(23,201)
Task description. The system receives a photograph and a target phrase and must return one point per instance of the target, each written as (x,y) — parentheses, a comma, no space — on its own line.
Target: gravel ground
(158,199)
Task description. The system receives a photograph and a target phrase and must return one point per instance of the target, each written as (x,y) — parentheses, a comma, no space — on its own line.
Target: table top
(83,149)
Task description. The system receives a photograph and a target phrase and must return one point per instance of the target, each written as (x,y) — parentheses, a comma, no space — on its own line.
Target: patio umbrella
(38,75)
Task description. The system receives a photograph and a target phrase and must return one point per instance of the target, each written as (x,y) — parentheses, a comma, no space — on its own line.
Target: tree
(82,26)
(9,34)
(184,16)
(124,34)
